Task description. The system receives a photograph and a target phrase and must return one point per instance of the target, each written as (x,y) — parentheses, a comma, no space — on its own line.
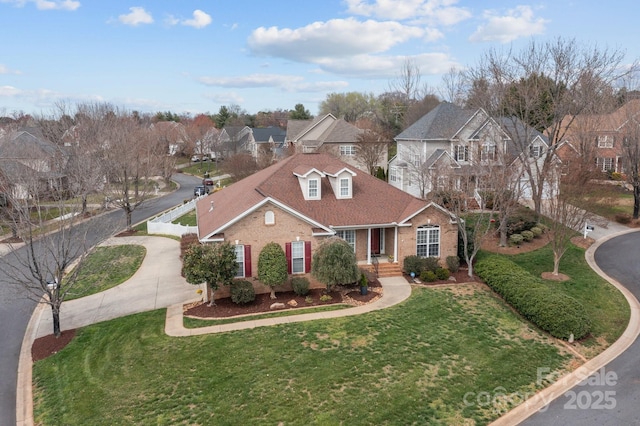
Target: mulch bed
(49,345)
(462,276)
(225,308)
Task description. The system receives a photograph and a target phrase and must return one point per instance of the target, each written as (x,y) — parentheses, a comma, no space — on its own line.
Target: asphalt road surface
(16,310)
(612,395)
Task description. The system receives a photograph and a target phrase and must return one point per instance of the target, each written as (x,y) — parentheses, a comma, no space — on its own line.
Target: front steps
(386,269)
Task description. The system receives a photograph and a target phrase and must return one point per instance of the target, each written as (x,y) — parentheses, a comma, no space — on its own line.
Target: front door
(375,241)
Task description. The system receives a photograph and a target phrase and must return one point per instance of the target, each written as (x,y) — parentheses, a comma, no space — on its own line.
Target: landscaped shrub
(523,220)
(527,235)
(430,264)
(516,239)
(547,307)
(413,264)
(428,276)
(186,241)
(242,292)
(443,273)
(453,263)
(623,218)
(537,231)
(300,285)
(542,226)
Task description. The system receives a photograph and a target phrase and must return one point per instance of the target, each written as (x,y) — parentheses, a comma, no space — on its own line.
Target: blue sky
(193,56)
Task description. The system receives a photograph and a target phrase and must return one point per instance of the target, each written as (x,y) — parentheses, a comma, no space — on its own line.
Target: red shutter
(307,256)
(287,252)
(247,261)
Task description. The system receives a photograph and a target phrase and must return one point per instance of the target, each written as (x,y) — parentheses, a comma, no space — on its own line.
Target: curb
(24,390)
(570,380)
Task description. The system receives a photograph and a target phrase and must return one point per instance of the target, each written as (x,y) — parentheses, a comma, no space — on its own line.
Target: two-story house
(451,148)
(328,134)
(303,199)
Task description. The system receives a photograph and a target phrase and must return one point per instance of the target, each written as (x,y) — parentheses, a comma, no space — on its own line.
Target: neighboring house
(447,148)
(172,134)
(303,199)
(269,141)
(598,138)
(235,140)
(35,159)
(327,134)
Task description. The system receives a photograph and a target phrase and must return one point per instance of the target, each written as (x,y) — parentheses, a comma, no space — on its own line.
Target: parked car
(207,182)
(200,190)
(195,158)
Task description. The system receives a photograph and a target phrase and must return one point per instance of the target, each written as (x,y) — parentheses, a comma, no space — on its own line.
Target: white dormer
(341,182)
(310,180)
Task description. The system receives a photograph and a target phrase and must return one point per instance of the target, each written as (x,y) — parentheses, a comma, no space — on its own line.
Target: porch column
(368,246)
(395,244)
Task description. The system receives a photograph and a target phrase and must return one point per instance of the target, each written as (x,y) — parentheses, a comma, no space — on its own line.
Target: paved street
(15,309)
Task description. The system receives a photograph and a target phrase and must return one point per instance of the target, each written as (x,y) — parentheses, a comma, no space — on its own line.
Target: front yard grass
(429,360)
(106,267)
(607,201)
(607,307)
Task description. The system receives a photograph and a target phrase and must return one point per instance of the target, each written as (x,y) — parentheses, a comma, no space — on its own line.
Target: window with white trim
(605,141)
(313,188)
(488,152)
(428,241)
(604,164)
(393,174)
(345,190)
(535,151)
(240,260)
(414,159)
(348,150)
(297,257)
(349,236)
(461,153)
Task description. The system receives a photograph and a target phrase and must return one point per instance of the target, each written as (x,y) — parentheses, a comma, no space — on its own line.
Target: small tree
(334,263)
(213,264)
(272,266)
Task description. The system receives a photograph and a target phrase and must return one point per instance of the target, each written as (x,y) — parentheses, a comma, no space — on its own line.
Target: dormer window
(313,189)
(535,151)
(345,187)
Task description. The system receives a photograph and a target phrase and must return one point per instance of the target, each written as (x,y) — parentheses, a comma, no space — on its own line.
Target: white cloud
(200,20)
(47,4)
(9,92)
(438,12)
(5,70)
(334,38)
(370,66)
(136,17)
(518,22)
(289,83)
(225,98)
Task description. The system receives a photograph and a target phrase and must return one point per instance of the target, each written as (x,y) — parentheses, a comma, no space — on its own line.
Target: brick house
(306,198)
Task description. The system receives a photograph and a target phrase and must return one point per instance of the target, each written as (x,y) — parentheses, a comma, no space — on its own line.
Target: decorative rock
(292,302)
(452,278)
(277,305)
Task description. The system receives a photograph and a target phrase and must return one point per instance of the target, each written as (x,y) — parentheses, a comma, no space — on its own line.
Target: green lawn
(106,267)
(607,201)
(188,219)
(199,169)
(606,306)
(424,361)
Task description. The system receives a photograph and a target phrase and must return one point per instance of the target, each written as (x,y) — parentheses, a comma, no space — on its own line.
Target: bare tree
(546,85)
(453,87)
(631,152)
(372,147)
(52,238)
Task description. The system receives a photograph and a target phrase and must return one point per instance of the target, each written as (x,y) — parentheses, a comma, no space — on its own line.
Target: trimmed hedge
(550,309)
(300,285)
(242,292)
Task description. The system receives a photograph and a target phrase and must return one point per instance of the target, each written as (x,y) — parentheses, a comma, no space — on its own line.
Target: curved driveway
(15,311)
(611,395)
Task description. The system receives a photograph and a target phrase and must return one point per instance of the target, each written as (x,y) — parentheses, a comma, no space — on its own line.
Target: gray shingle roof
(442,122)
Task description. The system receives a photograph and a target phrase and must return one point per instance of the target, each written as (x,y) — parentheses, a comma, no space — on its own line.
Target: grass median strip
(426,360)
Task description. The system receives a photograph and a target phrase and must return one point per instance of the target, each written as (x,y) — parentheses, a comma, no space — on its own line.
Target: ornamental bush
(516,239)
(242,292)
(527,235)
(549,308)
(537,231)
(428,276)
(430,264)
(443,274)
(300,285)
(411,264)
(453,263)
